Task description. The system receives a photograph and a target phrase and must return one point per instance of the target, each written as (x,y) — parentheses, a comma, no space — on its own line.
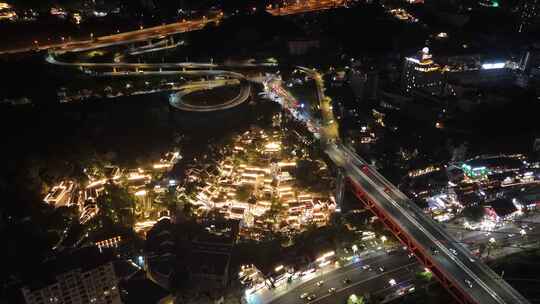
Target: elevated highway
(50,58)
(176,101)
(120,38)
(306,6)
(466,278)
(190,69)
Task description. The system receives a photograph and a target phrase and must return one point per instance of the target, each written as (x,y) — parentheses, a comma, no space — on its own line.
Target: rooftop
(208,263)
(530,195)
(496,162)
(503,207)
(142,290)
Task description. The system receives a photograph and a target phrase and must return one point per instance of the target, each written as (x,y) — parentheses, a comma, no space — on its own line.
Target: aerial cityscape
(270,151)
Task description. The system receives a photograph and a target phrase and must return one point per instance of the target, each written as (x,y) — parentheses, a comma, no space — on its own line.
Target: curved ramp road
(177,102)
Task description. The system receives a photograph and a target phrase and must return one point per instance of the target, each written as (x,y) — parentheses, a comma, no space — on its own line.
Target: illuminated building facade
(422,73)
(84,276)
(530,62)
(7,12)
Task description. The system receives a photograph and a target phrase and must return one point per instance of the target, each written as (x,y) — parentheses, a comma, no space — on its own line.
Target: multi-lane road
(51,58)
(121,38)
(456,263)
(192,69)
(468,277)
(305,6)
(472,279)
(161,31)
(396,266)
(177,101)
(179,68)
(371,275)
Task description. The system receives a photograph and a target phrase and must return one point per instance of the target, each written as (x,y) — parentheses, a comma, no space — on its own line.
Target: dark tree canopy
(473,213)
(306,173)
(244,192)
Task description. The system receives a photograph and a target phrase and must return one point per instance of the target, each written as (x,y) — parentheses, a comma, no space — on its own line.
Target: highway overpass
(177,102)
(468,279)
(121,38)
(50,58)
(306,6)
(195,70)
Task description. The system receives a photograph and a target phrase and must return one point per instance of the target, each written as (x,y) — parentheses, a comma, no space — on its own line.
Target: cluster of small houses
(270,182)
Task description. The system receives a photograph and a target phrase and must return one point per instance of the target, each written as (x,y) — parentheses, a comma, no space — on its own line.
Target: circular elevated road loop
(177,102)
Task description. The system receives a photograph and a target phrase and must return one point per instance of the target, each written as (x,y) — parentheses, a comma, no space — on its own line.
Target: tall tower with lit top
(421,73)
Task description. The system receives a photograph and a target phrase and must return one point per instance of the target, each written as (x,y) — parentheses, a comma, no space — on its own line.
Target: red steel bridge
(467,278)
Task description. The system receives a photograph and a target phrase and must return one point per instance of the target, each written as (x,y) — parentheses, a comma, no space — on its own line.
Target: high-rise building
(372,85)
(365,84)
(529,66)
(528,12)
(530,62)
(80,277)
(422,73)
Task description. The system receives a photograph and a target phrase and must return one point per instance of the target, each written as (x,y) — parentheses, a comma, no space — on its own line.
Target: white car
(304,295)
(320,283)
(469,283)
(454,252)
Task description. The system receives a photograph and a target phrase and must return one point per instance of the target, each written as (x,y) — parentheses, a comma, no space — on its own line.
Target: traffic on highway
(456,263)
(370,275)
(470,280)
(121,38)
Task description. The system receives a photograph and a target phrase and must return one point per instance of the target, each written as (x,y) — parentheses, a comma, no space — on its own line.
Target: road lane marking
(363,281)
